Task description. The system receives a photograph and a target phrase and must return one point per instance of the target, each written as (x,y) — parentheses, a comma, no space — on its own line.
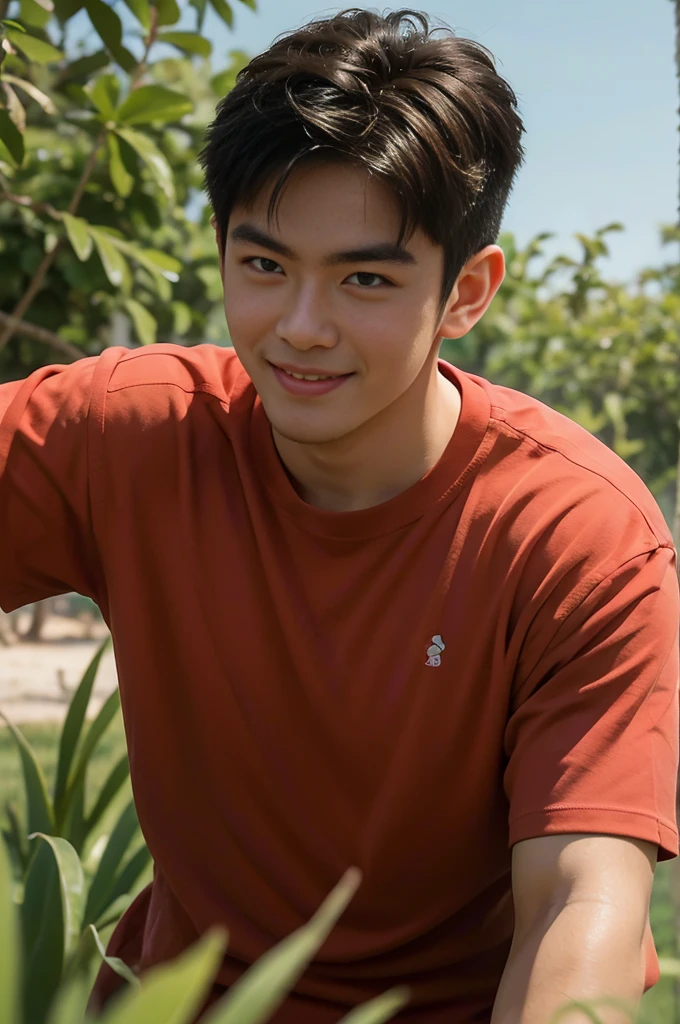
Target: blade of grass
(39,812)
(264,986)
(99,726)
(72,888)
(115,780)
(172,993)
(130,874)
(9,943)
(381,1009)
(114,962)
(103,882)
(73,725)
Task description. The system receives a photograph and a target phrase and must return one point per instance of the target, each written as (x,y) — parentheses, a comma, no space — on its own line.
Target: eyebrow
(380,252)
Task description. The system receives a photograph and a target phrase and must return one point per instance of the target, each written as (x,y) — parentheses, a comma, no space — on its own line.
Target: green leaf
(12,138)
(84,67)
(108,27)
(43,920)
(381,1009)
(108,710)
(75,717)
(114,781)
(252,4)
(36,14)
(65,9)
(16,837)
(104,93)
(174,992)
(70,1001)
(12,24)
(224,11)
(254,997)
(129,876)
(73,828)
(77,230)
(71,885)
(141,11)
(114,962)
(9,943)
(40,815)
(153,103)
(114,911)
(168,12)
(153,158)
(145,324)
(105,22)
(120,179)
(161,261)
(189,42)
(40,98)
(200,7)
(114,265)
(181,317)
(35,49)
(123,833)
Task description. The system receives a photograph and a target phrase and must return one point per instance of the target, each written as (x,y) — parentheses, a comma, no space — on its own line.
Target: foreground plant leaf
(174,992)
(264,986)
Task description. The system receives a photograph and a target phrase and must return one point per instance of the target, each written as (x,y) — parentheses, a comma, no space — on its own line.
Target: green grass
(658,1006)
(44,739)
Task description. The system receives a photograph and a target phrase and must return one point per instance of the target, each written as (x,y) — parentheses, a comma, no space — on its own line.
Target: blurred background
(105,240)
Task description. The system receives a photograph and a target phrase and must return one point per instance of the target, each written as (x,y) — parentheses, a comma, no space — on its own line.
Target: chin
(300,433)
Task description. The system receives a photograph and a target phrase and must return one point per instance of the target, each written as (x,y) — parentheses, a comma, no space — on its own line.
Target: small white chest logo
(434,651)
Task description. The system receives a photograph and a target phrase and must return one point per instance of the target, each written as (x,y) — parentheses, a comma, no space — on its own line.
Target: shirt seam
(494,415)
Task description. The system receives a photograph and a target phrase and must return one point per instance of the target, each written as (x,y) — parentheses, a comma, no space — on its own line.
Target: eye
(263,259)
(368,287)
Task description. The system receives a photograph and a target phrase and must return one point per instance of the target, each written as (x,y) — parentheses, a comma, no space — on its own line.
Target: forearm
(582,953)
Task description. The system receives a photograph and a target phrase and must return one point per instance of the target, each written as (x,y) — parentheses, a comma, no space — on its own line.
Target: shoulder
(203,368)
(569,478)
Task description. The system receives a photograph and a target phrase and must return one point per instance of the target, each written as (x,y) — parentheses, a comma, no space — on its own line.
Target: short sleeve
(592,738)
(46,537)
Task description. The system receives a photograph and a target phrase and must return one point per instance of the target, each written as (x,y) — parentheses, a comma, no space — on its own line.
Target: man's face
(373,322)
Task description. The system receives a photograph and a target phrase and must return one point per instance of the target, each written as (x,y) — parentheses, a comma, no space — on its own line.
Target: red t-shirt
(491,655)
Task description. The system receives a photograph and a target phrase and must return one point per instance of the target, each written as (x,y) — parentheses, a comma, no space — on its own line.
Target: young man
(367,609)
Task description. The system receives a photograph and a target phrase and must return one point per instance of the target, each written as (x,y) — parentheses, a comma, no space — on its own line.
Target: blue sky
(597,90)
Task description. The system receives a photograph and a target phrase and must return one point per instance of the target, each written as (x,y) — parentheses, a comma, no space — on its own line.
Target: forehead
(324,202)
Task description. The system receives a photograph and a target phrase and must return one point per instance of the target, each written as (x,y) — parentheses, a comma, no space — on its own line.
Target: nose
(305,323)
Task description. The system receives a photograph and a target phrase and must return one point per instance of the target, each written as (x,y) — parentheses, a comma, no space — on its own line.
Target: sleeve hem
(607,820)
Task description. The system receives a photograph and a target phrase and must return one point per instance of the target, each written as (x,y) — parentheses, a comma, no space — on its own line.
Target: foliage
(603,354)
(98,175)
(39,937)
(66,901)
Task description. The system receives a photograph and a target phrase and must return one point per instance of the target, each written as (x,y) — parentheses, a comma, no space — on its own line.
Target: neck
(384,457)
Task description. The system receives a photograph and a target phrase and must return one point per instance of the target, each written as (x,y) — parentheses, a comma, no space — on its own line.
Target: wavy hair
(430,117)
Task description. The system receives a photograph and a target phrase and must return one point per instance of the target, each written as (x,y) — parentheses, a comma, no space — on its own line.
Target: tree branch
(29,204)
(40,334)
(48,259)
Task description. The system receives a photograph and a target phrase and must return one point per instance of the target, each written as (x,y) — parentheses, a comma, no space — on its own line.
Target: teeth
(300,376)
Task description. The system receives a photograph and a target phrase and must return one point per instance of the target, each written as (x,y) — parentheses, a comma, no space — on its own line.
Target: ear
(477,283)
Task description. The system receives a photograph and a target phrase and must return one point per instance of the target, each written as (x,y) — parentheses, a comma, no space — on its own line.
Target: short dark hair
(430,117)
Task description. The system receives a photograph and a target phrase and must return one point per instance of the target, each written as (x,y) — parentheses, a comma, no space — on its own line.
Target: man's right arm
(46,538)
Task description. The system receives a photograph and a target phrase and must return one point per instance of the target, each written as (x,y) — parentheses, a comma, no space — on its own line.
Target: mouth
(308,382)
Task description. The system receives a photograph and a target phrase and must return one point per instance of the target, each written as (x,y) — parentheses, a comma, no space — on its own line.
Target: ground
(37,680)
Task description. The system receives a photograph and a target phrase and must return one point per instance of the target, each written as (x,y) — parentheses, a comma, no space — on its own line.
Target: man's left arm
(581,922)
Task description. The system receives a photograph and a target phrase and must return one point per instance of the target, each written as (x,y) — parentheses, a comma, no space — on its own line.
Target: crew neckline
(463,452)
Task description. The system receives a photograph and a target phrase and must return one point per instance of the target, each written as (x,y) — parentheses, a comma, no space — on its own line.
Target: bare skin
(389,422)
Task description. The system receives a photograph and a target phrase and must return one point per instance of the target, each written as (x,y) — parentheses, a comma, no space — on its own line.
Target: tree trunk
(40,613)
(7,634)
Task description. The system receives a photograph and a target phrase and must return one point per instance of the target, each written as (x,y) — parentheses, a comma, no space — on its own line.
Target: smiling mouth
(311,376)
